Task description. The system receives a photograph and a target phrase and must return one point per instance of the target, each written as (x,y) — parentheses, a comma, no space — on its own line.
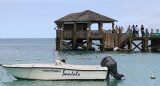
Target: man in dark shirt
(142,30)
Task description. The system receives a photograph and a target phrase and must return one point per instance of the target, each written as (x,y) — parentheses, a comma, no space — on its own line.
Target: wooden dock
(74,32)
(108,41)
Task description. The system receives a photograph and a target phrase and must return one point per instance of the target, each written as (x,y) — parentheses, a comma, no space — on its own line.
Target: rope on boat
(29,71)
(9,76)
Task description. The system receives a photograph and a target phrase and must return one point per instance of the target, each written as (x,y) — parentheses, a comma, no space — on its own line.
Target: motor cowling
(111,64)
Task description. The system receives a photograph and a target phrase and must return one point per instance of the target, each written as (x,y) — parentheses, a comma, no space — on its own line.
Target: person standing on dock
(129,27)
(142,30)
(116,28)
(134,31)
(157,32)
(122,29)
(119,29)
(137,31)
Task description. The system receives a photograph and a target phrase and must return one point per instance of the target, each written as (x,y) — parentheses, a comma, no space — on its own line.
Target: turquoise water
(137,68)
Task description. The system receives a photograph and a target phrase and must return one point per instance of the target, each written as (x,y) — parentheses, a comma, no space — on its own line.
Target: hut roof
(85,16)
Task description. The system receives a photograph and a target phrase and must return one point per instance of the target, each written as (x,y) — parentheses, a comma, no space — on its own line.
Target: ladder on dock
(124,39)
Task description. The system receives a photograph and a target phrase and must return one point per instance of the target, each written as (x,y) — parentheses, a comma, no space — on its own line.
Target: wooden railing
(80,34)
(67,34)
(96,34)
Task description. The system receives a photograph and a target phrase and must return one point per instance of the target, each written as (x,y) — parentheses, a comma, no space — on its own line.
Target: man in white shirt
(137,31)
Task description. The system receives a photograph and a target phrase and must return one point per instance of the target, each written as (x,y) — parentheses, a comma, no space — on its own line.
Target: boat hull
(56,73)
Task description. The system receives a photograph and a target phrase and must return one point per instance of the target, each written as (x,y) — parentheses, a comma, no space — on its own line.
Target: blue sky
(35,18)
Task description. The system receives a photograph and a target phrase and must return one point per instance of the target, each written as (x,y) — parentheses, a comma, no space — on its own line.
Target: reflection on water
(111,82)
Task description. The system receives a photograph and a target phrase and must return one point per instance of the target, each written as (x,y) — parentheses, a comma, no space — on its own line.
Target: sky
(35,18)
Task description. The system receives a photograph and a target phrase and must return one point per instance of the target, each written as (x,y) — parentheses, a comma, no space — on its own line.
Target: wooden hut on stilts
(74,31)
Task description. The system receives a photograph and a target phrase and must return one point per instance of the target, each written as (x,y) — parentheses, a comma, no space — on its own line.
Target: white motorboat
(58,71)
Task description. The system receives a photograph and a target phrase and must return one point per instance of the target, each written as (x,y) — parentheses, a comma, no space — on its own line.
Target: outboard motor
(112,67)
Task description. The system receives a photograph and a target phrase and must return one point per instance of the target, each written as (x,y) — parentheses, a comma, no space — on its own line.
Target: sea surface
(137,66)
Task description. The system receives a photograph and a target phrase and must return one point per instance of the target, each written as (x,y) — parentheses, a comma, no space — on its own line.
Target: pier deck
(108,40)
